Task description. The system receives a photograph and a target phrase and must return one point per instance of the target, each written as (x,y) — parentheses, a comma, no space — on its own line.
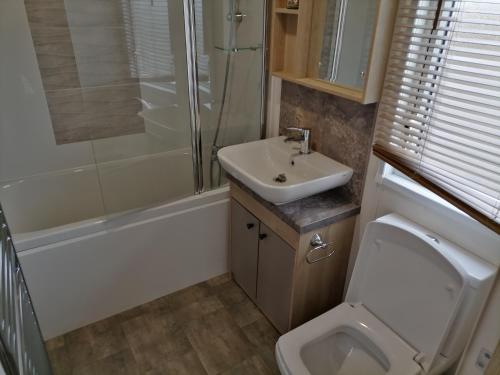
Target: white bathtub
(88,246)
(83,272)
(49,200)
(82,265)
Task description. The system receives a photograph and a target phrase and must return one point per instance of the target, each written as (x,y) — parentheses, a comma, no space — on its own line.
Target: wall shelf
(290,30)
(286,11)
(238,49)
(323,86)
(295,37)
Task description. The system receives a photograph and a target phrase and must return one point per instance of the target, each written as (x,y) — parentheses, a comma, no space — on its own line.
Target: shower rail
(193,85)
(22,350)
(194,99)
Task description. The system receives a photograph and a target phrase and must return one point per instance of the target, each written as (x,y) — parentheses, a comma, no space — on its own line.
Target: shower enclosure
(112,106)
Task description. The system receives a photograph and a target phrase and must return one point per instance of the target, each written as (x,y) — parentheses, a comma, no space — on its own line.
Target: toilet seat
(372,341)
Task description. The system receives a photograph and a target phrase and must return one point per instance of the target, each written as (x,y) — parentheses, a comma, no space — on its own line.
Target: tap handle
(305,132)
(294,129)
(305,138)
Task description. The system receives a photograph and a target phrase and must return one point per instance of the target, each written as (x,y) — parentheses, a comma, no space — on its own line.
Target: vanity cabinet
(244,248)
(275,277)
(269,262)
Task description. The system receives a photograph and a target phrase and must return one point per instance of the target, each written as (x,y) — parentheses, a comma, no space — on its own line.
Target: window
(149,40)
(439,116)
(398,181)
(147,31)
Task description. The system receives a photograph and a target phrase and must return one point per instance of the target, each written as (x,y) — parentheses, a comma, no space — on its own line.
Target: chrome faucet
(303,136)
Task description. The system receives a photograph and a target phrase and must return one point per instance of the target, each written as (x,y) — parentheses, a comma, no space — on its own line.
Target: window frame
(391,178)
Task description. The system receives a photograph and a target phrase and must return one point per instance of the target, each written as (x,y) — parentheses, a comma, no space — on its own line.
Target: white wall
(273,107)
(27,144)
(241,121)
(381,198)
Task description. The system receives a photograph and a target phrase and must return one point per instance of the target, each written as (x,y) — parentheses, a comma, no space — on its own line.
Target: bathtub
(52,199)
(97,239)
(84,272)
(95,265)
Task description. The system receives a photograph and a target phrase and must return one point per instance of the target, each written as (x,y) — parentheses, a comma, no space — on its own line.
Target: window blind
(148,36)
(147,31)
(439,116)
(203,58)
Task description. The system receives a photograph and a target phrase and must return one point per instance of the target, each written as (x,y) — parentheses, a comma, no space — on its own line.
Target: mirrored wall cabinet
(336,46)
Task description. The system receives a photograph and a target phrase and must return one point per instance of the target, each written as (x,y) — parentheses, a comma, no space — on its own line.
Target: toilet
(412,302)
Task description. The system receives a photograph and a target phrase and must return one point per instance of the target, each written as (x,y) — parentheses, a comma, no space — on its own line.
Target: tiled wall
(85,64)
(341,129)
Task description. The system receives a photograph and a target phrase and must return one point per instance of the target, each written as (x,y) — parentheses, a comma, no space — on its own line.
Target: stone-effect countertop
(307,214)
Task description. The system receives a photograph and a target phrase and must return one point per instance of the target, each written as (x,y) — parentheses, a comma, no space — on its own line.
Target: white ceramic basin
(258,164)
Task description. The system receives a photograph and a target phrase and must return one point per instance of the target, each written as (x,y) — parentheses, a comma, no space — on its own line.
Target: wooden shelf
(286,11)
(324,86)
(290,38)
(296,45)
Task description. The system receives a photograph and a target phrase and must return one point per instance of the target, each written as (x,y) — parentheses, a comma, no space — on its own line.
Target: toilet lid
(402,278)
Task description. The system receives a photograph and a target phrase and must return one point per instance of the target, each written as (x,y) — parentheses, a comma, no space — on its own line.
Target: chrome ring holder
(318,244)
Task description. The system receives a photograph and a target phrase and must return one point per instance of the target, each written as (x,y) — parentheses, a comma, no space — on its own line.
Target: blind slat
(472,147)
(439,116)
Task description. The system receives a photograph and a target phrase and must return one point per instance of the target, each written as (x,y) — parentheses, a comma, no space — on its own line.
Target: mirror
(341,41)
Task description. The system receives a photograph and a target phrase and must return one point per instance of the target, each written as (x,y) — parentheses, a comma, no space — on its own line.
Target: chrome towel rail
(318,245)
(22,351)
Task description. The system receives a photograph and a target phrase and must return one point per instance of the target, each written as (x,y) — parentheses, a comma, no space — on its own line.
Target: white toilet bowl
(347,340)
(412,302)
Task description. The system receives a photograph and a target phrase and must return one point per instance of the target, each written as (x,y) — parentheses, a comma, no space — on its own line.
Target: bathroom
(201,187)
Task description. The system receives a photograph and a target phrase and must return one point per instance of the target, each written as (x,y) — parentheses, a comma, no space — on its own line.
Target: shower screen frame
(193,85)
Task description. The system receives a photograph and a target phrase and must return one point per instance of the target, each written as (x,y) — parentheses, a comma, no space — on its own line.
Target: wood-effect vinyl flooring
(209,328)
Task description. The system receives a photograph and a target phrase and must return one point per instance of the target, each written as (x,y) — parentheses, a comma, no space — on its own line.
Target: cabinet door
(274,285)
(244,248)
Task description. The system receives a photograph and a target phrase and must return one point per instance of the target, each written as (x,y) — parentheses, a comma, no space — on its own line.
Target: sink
(275,170)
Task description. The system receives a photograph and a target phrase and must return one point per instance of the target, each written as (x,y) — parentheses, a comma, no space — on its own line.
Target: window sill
(407,187)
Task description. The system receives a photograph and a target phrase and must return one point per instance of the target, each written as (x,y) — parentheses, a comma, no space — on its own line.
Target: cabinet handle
(262,236)
(250,225)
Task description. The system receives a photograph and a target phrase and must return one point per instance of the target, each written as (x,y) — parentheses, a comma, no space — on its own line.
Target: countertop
(312,212)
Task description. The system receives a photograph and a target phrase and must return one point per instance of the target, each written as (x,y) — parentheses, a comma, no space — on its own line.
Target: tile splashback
(84,62)
(341,129)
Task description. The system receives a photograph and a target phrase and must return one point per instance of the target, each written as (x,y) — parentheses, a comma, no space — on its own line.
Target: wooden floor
(209,328)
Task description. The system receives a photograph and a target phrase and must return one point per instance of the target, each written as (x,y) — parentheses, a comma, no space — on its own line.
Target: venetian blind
(439,116)
(148,29)
(147,32)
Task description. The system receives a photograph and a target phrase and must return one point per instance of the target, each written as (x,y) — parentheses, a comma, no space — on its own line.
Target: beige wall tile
(113,110)
(85,114)
(62,76)
(69,120)
(70,128)
(102,56)
(46,13)
(53,45)
(82,43)
(91,13)
(65,101)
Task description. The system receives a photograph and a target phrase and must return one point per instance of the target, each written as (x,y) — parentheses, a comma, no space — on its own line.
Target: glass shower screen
(100,95)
